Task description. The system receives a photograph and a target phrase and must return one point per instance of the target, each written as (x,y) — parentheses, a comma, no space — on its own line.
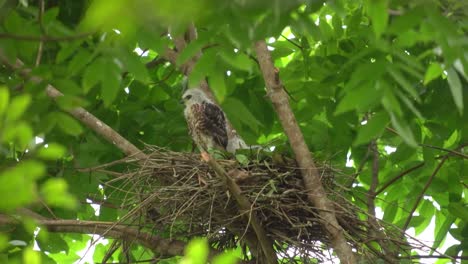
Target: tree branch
(399,176)
(453,258)
(80,113)
(109,229)
(315,191)
(453,152)
(40,19)
(245,207)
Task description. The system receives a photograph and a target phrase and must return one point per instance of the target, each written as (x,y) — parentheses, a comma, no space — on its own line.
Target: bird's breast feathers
(207,120)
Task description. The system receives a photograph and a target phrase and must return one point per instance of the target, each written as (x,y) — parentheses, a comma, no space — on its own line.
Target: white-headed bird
(206,121)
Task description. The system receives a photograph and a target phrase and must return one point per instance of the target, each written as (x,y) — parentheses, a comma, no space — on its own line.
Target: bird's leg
(194,146)
(201,179)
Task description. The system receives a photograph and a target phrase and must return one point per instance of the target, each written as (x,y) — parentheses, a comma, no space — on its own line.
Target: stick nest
(177,195)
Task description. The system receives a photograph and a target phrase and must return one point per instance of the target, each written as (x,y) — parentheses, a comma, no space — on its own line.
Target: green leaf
(67,86)
(4,99)
(390,102)
(442,226)
(241,113)
(52,243)
(372,129)
(110,88)
(377,10)
(205,66)
(20,134)
(426,209)
(18,106)
(218,85)
(238,60)
(455,88)
(408,102)
(110,85)
(53,151)
(190,51)
(433,72)
(93,74)
(225,258)
(135,66)
(401,80)
(196,251)
(390,212)
(79,61)
(416,220)
(362,98)
(55,193)
(242,159)
(31,256)
(68,48)
(17,184)
(68,124)
(459,210)
(403,130)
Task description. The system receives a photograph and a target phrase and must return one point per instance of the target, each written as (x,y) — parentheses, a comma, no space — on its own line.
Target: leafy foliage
(393,72)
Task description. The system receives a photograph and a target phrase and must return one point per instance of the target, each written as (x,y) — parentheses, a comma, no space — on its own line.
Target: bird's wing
(214,123)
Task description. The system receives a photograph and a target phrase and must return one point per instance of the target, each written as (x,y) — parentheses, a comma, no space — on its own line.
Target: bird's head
(194,96)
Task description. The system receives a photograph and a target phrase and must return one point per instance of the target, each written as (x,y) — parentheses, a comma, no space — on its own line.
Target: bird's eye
(188,97)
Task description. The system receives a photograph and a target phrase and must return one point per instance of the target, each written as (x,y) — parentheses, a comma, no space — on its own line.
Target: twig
(453,152)
(433,257)
(244,206)
(315,191)
(428,183)
(292,42)
(374,184)
(80,113)
(399,176)
(388,254)
(43,31)
(360,168)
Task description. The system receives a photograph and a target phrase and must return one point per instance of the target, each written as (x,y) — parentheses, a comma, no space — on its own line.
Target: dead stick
(244,206)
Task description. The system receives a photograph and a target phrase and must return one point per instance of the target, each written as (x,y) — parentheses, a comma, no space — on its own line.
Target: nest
(177,195)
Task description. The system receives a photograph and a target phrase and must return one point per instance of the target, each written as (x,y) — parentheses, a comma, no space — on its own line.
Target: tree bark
(158,245)
(80,113)
(315,191)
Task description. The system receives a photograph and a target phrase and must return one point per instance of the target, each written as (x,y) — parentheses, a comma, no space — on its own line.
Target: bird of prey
(206,121)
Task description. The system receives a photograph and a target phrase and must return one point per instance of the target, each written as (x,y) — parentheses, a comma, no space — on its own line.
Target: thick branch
(158,245)
(245,207)
(315,191)
(80,113)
